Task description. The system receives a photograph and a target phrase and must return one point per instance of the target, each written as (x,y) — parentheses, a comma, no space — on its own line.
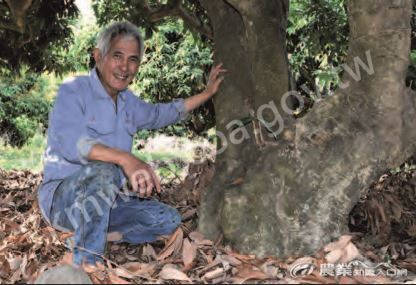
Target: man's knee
(104,182)
(105,172)
(101,166)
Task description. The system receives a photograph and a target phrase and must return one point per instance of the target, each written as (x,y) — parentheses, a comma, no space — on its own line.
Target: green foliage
(404,168)
(78,57)
(28,156)
(170,171)
(142,13)
(411,72)
(23,108)
(174,66)
(317,44)
(134,11)
(46,26)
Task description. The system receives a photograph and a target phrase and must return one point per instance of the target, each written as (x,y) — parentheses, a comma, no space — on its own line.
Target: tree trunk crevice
(296,195)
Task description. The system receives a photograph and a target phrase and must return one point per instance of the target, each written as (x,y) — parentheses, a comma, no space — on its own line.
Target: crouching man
(88,154)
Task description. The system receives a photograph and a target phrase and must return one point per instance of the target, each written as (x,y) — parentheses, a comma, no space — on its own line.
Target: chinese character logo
(301,269)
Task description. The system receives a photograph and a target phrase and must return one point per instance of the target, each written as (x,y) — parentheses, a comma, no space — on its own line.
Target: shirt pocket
(99,126)
(129,125)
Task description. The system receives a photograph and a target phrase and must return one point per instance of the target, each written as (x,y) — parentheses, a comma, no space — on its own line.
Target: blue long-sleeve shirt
(83,115)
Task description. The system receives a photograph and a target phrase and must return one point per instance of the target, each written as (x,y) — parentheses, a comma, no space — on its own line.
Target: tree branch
(174,8)
(18,9)
(195,23)
(4,8)
(168,10)
(9,26)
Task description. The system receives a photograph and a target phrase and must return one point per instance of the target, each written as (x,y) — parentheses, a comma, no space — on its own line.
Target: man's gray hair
(124,29)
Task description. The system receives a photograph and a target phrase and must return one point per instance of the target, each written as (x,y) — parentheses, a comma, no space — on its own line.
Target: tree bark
(291,194)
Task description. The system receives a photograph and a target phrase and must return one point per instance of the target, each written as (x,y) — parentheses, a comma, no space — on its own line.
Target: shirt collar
(98,88)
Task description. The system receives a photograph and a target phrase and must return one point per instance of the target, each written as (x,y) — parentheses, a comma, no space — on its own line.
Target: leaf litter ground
(383,222)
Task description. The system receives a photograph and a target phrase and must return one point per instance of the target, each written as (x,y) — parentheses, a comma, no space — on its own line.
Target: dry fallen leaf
(178,244)
(213,274)
(138,268)
(172,245)
(242,257)
(335,255)
(247,273)
(346,254)
(170,273)
(270,268)
(116,279)
(122,272)
(149,251)
(190,213)
(67,258)
(351,253)
(231,259)
(340,244)
(188,253)
(303,260)
(14,262)
(205,242)
(30,246)
(196,236)
(373,280)
(237,181)
(347,280)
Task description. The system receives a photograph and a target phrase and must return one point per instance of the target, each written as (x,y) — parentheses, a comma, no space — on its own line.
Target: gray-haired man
(88,155)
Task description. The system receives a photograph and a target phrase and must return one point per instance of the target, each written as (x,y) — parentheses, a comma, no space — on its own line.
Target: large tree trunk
(293,193)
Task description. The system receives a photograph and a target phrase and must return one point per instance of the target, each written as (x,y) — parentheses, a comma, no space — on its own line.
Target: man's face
(119,66)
